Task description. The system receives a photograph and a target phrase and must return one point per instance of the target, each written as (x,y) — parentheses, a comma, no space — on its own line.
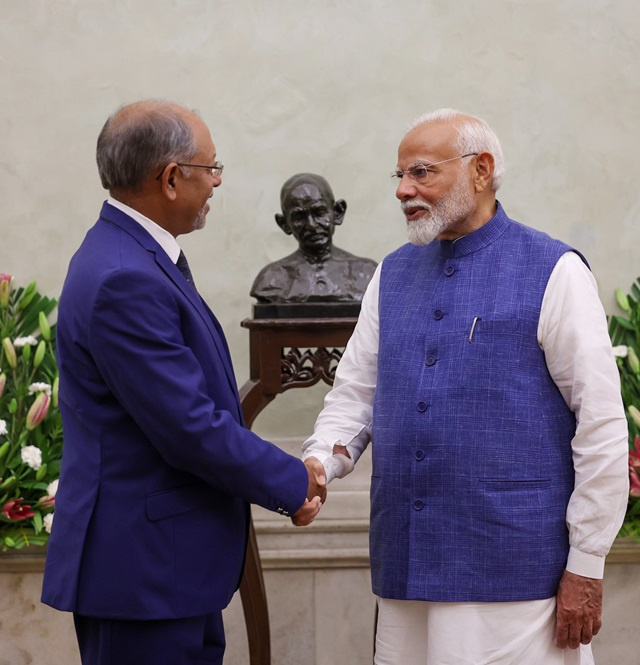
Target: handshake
(317,488)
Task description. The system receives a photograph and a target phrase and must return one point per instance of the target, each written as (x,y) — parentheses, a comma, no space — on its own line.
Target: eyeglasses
(419,172)
(215,169)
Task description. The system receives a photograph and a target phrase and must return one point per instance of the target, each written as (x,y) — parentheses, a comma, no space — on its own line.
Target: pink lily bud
(10,352)
(5,289)
(38,411)
(634,483)
(46,501)
(3,382)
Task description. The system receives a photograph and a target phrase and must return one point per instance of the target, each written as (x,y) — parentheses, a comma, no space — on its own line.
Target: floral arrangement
(625,336)
(30,422)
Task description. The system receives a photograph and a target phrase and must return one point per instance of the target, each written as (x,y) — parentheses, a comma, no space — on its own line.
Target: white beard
(440,216)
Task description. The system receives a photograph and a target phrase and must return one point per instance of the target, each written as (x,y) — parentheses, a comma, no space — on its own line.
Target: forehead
(432,141)
(203,136)
(304,193)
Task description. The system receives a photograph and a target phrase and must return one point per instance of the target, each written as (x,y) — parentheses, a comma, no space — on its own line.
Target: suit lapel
(115,216)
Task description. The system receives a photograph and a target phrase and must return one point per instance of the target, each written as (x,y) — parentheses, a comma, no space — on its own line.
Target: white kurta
(573,334)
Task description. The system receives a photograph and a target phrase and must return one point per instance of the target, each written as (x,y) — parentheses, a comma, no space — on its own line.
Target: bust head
(310,214)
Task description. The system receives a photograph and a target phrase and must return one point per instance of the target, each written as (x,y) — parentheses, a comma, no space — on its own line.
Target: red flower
(15,511)
(634,483)
(634,453)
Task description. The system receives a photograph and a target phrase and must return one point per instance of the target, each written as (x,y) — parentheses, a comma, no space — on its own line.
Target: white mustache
(414,203)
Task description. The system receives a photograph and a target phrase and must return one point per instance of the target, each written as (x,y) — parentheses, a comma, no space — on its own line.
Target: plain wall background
(327,87)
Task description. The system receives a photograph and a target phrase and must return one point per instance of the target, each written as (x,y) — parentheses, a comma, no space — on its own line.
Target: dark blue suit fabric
(158,469)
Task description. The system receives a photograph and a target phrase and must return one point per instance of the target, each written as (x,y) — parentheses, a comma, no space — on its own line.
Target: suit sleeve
(158,364)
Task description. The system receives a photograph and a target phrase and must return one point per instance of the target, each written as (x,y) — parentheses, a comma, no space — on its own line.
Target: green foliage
(624,331)
(28,374)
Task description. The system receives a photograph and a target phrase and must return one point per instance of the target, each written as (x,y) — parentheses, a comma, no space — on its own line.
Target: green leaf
(37,522)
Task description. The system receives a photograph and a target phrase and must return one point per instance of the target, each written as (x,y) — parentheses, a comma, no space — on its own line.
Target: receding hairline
(306,179)
(138,111)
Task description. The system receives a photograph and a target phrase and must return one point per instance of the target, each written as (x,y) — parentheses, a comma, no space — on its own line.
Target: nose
(406,188)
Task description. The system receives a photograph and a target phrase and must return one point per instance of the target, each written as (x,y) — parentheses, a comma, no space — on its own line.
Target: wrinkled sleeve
(348,407)
(573,335)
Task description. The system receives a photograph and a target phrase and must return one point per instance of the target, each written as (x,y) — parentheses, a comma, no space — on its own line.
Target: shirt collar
(160,235)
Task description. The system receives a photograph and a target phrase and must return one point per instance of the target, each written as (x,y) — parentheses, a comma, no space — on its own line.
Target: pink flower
(634,483)
(634,453)
(38,411)
(46,501)
(14,510)
(3,382)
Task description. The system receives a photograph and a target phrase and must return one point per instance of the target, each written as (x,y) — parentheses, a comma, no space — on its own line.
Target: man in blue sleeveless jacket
(482,372)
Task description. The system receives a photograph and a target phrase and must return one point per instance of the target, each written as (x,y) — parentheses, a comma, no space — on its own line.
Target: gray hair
(474,135)
(139,138)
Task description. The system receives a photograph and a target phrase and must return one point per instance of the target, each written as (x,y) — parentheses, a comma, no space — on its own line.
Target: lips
(413,211)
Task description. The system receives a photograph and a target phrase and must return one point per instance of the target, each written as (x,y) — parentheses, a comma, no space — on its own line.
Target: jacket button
(449,270)
(418,505)
(422,407)
(419,455)
(431,360)
(437,315)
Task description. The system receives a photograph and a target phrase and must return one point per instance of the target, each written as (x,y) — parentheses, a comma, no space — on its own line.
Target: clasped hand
(316,493)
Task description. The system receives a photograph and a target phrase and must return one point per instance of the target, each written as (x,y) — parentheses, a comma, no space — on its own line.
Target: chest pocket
(497,353)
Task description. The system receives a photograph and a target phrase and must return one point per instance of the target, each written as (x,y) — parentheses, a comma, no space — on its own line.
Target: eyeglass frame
(215,169)
(399,173)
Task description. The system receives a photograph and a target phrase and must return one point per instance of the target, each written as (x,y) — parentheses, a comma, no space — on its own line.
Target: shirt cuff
(587,565)
(337,466)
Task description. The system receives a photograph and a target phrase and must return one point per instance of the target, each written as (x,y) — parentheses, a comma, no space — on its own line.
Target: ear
(168,181)
(282,223)
(339,208)
(484,171)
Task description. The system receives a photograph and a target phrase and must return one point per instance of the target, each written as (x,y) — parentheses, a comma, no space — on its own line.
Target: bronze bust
(318,271)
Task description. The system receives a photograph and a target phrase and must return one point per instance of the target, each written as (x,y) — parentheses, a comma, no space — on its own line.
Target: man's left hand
(578,611)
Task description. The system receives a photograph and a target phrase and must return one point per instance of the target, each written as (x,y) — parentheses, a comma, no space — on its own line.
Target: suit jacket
(158,469)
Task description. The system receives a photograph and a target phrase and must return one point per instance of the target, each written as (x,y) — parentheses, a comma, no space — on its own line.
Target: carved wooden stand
(284,353)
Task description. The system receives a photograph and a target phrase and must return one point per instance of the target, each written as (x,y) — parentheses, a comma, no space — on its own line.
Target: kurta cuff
(587,565)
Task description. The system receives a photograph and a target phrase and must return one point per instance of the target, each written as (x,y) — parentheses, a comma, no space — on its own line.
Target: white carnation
(52,487)
(620,351)
(19,342)
(32,456)
(3,428)
(39,388)
(47,522)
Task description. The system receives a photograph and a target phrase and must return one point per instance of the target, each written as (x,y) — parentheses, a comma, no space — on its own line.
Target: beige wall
(324,86)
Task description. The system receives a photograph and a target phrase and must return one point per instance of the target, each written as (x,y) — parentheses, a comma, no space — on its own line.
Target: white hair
(474,135)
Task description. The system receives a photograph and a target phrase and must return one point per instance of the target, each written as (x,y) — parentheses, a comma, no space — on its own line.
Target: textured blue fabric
(472,467)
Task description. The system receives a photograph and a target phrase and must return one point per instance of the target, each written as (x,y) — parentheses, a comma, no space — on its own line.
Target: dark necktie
(183,266)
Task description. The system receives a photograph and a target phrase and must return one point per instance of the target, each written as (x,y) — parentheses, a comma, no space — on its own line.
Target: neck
(317,256)
(478,218)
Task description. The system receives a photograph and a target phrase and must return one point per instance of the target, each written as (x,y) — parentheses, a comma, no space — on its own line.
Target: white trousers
(416,632)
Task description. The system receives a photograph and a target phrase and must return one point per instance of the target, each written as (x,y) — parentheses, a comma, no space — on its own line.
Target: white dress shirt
(160,235)
(573,334)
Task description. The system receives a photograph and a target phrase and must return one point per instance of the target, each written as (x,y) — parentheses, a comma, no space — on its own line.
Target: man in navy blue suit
(158,469)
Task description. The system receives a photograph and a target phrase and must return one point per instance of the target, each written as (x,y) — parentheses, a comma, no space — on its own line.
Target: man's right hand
(317,479)
(307,512)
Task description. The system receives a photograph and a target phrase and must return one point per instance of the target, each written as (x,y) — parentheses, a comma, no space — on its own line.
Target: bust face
(310,216)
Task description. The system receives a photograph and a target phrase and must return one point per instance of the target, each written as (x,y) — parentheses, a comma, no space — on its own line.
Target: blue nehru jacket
(472,466)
